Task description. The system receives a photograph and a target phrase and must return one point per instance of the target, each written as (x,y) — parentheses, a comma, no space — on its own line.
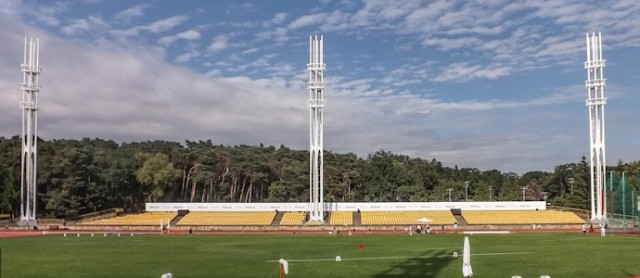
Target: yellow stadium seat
(386,218)
(479,217)
(228,218)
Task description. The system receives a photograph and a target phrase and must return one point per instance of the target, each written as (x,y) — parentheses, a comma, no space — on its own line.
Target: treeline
(81,176)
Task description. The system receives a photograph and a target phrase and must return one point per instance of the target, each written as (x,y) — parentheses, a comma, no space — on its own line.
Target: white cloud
(92,23)
(155,103)
(251,50)
(449,44)
(427,16)
(242,8)
(507,33)
(166,24)
(262,65)
(132,12)
(186,57)
(220,42)
(186,35)
(279,18)
(75,26)
(47,14)
(9,7)
(459,72)
(278,35)
(307,20)
(376,98)
(154,27)
(276,19)
(561,47)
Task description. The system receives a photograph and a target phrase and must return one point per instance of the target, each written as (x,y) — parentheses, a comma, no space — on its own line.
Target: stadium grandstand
(477,217)
(379,216)
(151,218)
(228,218)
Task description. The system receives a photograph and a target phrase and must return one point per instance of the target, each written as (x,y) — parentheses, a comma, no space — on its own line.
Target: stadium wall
(390,206)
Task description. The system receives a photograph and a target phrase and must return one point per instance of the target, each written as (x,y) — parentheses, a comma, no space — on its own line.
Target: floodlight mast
(30,88)
(315,103)
(595,103)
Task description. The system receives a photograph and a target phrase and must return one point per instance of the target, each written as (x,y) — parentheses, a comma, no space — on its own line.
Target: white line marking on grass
(497,254)
(486,232)
(396,257)
(438,248)
(582,238)
(358,259)
(303,260)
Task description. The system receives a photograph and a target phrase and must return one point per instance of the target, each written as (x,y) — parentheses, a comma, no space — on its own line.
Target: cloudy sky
(490,84)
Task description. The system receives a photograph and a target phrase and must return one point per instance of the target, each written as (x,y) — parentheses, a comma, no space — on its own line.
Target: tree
(67,178)
(277,193)
(534,192)
(10,198)
(510,190)
(80,176)
(155,174)
(578,197)
(123,189)
(482,192)
(382,174)
(10,150)
(440,192)
(559,183)
(424,173)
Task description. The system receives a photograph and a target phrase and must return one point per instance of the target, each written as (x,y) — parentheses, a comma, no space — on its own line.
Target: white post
(30,88)
(595,102)
(490,193)
(466,258)
(466,191)
(624,201)
(316,69)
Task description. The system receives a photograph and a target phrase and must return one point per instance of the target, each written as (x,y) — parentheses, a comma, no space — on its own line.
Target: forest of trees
(82,176)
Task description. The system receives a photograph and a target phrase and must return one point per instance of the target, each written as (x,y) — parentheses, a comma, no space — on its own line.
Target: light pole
(571,180)
(490,192)
(466,191)
(523,194)
(633,207)
(624,209)
(449,189)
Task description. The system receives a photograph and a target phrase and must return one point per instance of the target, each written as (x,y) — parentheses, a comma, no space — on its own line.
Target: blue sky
(488,84)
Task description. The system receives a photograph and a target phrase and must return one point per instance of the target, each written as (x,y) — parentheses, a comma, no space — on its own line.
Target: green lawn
(557,255)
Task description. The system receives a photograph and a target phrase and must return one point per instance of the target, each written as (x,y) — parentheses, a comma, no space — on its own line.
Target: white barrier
(390,206)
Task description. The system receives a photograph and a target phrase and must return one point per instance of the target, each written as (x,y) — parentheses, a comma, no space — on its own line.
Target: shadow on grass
(428,264)
(627,273)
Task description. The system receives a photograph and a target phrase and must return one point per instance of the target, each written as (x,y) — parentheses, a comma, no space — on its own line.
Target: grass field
(527,255)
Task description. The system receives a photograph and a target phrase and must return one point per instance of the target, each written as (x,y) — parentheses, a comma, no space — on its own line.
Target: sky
(487,84)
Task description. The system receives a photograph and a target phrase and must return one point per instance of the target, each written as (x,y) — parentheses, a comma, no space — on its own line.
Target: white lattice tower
(595,103)
(30,88)
(316,69)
